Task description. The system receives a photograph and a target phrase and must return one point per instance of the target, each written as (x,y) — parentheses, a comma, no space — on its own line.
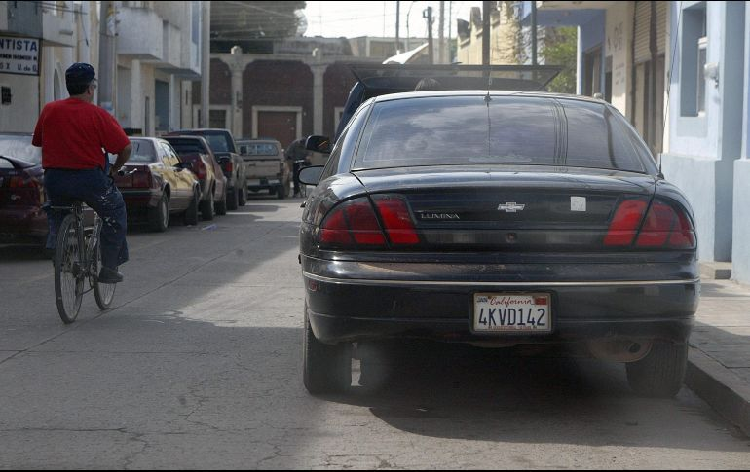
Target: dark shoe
(110,276)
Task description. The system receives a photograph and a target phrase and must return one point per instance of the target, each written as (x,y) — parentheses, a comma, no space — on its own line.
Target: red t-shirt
(74,134)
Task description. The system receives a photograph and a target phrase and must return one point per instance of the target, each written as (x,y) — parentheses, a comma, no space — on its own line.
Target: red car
(21,190)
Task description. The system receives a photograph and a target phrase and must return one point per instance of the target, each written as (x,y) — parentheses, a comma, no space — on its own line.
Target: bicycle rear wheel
(69,273)
(103,293)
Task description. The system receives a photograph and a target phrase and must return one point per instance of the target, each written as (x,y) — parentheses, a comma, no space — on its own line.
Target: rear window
(259,149)
(503,130)
(19,147)
(143,152)
(186,146)
(217,142)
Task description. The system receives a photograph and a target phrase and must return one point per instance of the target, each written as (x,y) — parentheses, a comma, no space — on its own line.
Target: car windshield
(19,147)
(259,149)
(475,129)
(143,152)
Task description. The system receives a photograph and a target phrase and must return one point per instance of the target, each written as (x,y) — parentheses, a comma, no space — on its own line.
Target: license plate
(512,313)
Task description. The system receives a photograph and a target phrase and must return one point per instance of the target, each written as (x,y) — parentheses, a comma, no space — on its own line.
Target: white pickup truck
(265,166)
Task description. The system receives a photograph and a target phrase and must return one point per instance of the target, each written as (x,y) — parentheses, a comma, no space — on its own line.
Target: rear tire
(191,214)
(158,217)
(103,293)
(207,207)
(69,273)
(233,199)
(661,372)
(242,198)
(326,369)
(221,206)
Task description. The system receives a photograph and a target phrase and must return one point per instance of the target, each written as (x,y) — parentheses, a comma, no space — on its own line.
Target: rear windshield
(20,148)
(502,130)
(186,146)
(143,152)
(259,149)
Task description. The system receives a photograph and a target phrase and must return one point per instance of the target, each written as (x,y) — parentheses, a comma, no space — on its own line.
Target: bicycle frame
(87,246)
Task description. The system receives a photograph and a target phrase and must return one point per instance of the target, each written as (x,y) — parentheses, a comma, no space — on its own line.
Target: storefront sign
(19,56)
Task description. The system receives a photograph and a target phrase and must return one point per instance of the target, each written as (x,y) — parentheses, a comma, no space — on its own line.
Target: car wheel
(221,206)
(325,369)
(207,207)
(191,214)
(158,217)
(243,195)
(661,372)
(233,199)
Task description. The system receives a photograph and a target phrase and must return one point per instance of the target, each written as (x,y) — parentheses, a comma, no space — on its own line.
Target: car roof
(258,140)
(456,93)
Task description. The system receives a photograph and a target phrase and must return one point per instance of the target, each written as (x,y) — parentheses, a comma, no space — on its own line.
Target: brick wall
(277,83)
(338,80)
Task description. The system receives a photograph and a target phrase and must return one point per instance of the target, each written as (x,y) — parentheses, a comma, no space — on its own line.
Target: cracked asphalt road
(198,365)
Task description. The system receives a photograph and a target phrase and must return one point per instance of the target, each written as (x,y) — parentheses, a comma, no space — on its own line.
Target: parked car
(222,144)
(265,166)
(496,219)
(156,183)
(206,167)
(21,190)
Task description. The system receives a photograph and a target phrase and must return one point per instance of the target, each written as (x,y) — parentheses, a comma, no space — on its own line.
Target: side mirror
(321,144)
(310,175)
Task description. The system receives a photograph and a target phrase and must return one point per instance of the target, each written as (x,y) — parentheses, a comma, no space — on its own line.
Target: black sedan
(497,219)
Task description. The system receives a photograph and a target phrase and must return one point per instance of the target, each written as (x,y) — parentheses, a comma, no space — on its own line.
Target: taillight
(663,226)
(229,166)
(397,220)
(351,223)
(666,227)
(23,181)
(625,224)
(142,178)
(200,170)
(355,224)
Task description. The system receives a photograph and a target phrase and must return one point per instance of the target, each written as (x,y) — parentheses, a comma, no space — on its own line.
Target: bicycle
(77,258)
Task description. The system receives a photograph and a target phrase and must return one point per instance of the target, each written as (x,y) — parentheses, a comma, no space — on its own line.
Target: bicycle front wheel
(69,274)
(103,293)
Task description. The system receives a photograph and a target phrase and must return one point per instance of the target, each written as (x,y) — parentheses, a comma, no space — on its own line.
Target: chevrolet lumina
(496,219)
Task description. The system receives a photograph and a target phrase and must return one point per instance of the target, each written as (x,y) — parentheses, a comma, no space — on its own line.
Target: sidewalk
(719,362)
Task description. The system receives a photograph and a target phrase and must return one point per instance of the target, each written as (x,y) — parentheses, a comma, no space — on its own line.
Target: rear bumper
(23,221)
(138,199)
(264,183)
(347,308)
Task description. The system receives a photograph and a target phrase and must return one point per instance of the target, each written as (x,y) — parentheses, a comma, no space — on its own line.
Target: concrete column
(137,120)
(318,70)
(237,71)
(174,102)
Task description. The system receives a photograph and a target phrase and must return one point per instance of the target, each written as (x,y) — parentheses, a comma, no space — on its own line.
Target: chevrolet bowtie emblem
(511,207)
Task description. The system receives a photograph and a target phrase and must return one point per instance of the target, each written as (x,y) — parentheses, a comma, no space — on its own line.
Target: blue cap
(80,73)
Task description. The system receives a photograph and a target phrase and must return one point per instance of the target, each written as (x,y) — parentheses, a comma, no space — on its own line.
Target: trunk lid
(524,207)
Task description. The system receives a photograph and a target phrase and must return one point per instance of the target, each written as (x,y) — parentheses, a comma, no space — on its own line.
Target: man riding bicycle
(75,136)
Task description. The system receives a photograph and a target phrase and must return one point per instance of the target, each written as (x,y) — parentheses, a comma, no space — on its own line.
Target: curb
(720,388)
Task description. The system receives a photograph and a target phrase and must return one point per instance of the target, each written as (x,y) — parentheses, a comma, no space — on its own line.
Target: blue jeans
(98,190)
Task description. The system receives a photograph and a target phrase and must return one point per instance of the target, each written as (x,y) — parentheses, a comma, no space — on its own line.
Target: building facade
(157,55)
(679,72)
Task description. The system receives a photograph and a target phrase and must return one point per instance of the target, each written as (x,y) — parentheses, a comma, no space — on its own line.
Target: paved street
(199,366)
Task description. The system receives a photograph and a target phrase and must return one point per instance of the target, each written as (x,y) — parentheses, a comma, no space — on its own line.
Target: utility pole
(205,62)
(441,35)
(450,29)
(428,14)
(398,46)
(408,12)
(533,34)
(486,26)
(106,80)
